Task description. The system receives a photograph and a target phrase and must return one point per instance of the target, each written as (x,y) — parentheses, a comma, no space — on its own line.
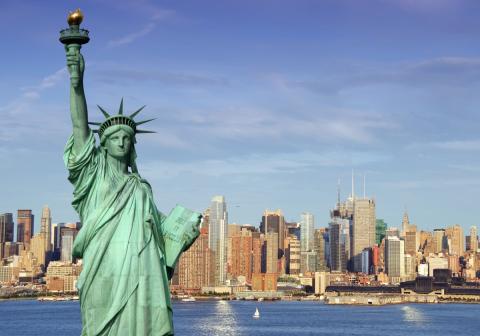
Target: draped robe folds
(123,286)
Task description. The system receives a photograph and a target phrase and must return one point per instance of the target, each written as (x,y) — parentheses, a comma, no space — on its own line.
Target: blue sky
(266,102)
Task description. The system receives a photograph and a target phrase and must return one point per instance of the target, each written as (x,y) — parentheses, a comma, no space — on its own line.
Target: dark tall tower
(24,226)
(6,227)
(273,221)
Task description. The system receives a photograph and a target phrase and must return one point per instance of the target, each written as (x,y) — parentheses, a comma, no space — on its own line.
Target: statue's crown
(120,119)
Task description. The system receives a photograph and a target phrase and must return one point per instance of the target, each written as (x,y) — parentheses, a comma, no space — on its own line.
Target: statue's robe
(123,285)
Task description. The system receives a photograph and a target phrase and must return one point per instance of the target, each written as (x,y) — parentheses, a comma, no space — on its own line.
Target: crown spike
(137,111)
(144,121)
(142,131)
(94,123)
(120,110)
(95,131)
(104,112)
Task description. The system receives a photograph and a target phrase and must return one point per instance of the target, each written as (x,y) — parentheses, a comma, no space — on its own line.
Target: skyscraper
(426,242)
(46,226)
(272,252)
(6,234)
(439,240)
(217,237)
(319,247)
(363,229)
(473,239)
(196,265)
(6,227)
(306,231)
(67,237)
(294,257)
(274,221)
(25,227)
(411,238)
(405,224)
(245,254)
(38,248)
(394,258)
(338,238)
(308,261)
(456,240)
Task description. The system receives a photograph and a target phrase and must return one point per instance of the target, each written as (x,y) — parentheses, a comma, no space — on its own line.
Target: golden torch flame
(75,17)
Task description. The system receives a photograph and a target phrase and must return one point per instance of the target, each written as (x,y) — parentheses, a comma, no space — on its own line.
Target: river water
(225,318)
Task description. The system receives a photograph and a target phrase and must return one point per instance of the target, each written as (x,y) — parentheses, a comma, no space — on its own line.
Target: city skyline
(265,103)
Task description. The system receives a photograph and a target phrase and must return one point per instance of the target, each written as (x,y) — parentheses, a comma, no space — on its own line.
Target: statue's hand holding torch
(75,64)
(73,38)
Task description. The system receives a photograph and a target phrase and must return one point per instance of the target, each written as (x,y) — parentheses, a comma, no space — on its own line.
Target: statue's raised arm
(73,38)
(78,105)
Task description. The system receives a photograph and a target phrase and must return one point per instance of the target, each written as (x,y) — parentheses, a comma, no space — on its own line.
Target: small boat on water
(256,315)
(189,299)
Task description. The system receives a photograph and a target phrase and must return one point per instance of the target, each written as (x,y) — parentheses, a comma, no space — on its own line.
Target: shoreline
(342,300)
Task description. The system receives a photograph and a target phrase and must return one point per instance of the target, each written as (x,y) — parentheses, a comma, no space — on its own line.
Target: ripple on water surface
(227,318)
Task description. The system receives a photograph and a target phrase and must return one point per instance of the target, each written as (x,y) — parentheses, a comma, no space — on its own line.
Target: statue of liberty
(128,248)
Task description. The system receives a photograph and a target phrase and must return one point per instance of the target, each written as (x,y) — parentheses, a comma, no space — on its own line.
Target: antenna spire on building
(338,192)
(364,187)
(353,184)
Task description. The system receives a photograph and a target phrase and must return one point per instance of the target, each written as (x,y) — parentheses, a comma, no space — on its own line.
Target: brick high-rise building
(25,227)
(196,267)
(411,239)
(271,257)
(245,253)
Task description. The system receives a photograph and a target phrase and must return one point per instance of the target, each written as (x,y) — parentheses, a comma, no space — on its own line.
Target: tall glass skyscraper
(306,231)
(217,237)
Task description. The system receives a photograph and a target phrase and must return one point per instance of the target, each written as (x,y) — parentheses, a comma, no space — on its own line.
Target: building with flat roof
(25,227)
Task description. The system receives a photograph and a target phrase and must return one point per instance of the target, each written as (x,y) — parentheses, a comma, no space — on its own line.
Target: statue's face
(118,144)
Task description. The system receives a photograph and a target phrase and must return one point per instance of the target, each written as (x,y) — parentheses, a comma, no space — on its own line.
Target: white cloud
(129,38)
(26,112)
(324,125)
(260,164)
(453,145)
(426,6)
(33,92)
(459,145)
(156,16)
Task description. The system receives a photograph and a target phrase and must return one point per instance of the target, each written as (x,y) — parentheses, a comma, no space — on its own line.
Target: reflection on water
(224,323)
(414,315)
(280,318)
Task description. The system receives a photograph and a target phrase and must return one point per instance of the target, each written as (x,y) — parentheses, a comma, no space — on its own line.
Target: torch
(73,37)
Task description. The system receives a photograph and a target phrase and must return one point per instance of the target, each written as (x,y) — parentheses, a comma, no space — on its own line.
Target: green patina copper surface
(129,248)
